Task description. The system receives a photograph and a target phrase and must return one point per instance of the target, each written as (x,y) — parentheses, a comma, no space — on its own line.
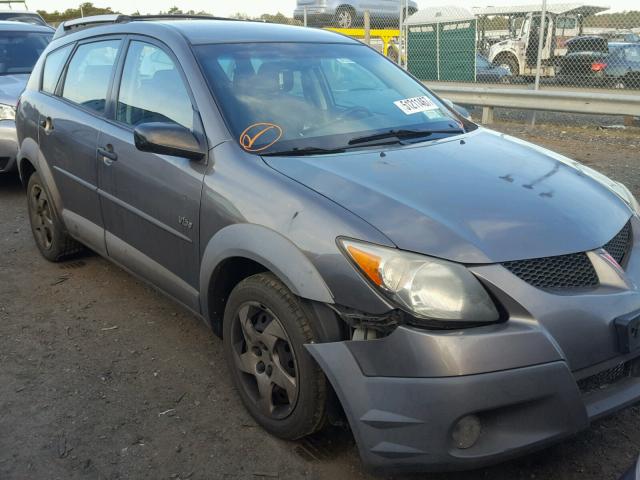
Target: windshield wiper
(378,139)
(295,152)
(401,135)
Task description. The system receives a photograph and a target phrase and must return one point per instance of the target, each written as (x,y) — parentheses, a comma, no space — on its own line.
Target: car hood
(479,198)
(11,86)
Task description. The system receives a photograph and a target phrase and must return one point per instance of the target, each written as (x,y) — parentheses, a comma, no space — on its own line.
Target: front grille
(620,245)
(564,271)
(570,271)
(604,379)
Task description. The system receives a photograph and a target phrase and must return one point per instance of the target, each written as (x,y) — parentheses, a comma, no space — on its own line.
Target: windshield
(293,96)
(32,18)
(19,51)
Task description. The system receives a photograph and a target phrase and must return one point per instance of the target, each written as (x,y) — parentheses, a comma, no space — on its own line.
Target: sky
(257,7)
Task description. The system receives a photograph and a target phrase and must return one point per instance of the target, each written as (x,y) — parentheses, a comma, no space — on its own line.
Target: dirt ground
(101,377)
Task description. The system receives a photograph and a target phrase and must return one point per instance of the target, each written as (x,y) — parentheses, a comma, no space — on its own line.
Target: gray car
(459,295)
(350,13)
(20,46)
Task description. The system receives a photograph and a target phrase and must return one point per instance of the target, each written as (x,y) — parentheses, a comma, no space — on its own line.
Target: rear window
(89,74)
(53,67)
(32,18)
(587,44)
(19,51)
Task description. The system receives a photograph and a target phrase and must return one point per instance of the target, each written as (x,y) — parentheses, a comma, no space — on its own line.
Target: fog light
(466,432)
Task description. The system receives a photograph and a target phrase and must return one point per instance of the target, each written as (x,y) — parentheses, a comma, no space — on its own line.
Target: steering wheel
(357,111)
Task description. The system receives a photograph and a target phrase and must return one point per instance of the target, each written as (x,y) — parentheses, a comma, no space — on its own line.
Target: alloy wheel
(345,19)
(263,354)
(42,218)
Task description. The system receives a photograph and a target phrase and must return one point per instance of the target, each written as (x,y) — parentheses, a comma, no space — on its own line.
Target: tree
(85,9)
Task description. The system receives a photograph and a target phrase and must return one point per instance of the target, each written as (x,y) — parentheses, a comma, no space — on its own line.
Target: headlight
(428,288)
(627,196)
(7,112)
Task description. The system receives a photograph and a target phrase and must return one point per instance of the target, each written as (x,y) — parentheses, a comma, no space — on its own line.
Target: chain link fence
(544,45)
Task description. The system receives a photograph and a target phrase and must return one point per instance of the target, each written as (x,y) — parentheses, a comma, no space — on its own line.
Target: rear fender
(30,152)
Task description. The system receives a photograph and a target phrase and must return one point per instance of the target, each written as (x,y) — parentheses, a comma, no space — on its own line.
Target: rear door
(631,57)
(151,202)
(70,122)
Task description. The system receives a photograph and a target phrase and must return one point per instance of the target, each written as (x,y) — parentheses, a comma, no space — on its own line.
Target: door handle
(107,154)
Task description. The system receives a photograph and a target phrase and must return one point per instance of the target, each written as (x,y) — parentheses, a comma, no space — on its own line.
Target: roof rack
(70,26)
(10,2)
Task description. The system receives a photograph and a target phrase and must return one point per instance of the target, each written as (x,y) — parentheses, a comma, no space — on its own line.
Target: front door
(70,122)
(151,202)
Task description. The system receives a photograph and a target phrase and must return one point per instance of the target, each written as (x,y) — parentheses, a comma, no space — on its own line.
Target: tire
(271,342)
(49,233)
(407,14)
(393,55)
(510,63)
(619,84)
(345,18)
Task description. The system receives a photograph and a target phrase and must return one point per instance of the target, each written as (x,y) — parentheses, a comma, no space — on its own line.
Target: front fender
(271,250)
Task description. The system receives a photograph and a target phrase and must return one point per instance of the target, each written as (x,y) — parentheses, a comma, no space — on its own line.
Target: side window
(53,66)
(89,73)
(152,89)
(632,54)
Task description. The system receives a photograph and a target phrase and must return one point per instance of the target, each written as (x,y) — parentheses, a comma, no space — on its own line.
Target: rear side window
(632,54)
(52,67)
(152,89)
(89,73)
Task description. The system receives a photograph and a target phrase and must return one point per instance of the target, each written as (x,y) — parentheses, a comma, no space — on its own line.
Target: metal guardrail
(554,101)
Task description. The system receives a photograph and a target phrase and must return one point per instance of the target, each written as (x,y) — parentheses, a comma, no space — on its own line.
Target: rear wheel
(392,54)
(265,329)
(49,233)
(345,17)
(619,84)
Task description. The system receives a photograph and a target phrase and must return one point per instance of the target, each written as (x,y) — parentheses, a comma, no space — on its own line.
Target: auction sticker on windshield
(415,105)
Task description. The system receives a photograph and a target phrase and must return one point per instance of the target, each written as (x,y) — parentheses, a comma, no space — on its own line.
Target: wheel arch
(346,6)
(507,55)
(240,250)
(30,160)
(27,160)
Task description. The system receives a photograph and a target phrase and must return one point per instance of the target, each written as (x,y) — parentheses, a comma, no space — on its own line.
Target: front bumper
(406,423)
(8,146)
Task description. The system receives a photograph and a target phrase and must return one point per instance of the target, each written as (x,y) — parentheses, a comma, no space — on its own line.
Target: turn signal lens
(368,263)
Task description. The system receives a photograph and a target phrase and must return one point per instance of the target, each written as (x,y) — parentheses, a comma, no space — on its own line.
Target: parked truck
(519,51)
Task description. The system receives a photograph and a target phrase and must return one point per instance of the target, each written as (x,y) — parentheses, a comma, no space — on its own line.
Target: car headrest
(274,77)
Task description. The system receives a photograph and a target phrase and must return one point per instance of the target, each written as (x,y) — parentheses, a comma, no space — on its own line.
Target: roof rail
(69,26)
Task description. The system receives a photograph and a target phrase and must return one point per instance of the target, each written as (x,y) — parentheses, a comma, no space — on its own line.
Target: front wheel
(265,329)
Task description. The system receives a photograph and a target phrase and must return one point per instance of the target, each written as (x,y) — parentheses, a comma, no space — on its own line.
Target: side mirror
(168,139)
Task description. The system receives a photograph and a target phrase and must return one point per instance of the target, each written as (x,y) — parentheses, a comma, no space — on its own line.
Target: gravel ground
(102,377)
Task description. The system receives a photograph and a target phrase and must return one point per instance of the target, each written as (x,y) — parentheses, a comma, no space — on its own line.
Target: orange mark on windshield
(270,131)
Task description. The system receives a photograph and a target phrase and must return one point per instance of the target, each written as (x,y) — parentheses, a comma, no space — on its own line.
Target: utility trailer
(519,50)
